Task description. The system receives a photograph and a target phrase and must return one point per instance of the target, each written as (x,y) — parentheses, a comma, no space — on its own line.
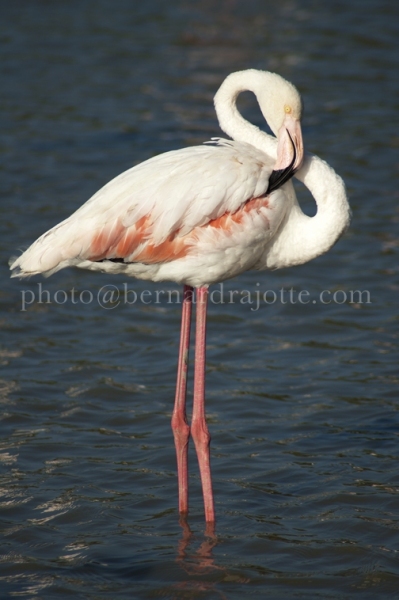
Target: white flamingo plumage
(201,215)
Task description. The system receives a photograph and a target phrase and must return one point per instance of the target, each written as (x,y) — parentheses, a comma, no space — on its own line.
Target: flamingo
(201,215)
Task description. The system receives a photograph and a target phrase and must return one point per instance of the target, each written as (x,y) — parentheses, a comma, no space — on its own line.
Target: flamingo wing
(146,213)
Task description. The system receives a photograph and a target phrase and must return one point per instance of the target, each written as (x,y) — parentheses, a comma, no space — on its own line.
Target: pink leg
(199,429)
(180,427)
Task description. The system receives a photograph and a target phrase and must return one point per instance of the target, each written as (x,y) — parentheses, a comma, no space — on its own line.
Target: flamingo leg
(199,429)
(180,427)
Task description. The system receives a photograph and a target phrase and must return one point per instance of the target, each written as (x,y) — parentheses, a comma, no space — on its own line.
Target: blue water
(302,398)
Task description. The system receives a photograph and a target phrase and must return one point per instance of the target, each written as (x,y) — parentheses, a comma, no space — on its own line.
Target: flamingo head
(281,106)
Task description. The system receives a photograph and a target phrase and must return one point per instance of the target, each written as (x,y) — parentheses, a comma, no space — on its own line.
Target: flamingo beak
(290,153)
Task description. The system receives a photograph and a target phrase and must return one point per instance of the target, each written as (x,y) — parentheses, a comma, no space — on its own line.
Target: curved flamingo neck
(230,119)
(300,238)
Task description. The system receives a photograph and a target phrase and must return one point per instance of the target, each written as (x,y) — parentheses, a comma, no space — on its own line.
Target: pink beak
(290,153)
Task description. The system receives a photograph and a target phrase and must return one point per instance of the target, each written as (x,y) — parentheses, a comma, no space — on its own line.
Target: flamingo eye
(287,109)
